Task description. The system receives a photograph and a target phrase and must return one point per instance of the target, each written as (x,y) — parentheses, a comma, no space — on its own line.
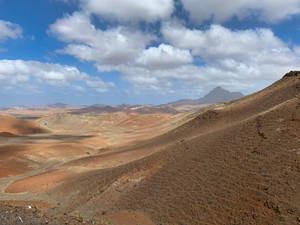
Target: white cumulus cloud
(130,10)
(245,60)
(16,72)
(183,59)
(219,43)
(220,10)
(163,57)
(114,46)
(9,30)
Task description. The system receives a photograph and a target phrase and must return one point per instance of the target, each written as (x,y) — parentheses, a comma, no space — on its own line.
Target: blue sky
(85,52)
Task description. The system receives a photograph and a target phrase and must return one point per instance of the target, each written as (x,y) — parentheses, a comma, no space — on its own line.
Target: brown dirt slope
(18,214)
(236,164)
(10,126)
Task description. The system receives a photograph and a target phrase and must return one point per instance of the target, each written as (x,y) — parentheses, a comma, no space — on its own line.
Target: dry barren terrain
(236,163)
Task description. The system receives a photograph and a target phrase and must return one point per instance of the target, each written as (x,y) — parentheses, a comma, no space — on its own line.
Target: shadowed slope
(10,126)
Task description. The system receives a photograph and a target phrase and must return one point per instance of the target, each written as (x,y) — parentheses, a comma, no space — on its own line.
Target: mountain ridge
(216,95)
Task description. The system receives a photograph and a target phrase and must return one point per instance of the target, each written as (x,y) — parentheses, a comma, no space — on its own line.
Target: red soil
(16,126)
(39,183)
(7,134)
(12,167)
(10,163)
(9,172)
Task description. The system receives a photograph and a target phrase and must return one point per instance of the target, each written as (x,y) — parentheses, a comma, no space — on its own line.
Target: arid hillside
(10,126)
(236,162)
(32,163)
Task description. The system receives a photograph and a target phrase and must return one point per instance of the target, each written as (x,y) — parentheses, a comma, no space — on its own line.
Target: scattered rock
(292,74)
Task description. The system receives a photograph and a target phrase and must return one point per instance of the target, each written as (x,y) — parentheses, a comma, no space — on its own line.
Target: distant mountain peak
(216,95)
(57,105)
(219,94)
